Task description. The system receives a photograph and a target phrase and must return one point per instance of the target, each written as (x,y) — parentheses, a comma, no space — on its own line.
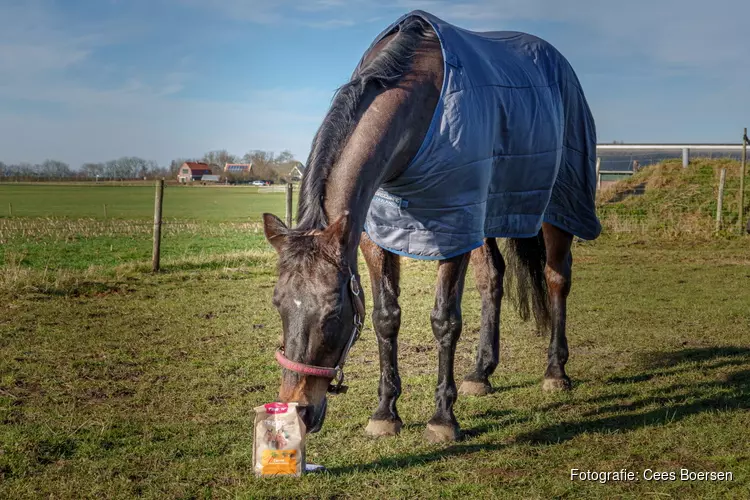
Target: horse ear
(338,232)
(275,230)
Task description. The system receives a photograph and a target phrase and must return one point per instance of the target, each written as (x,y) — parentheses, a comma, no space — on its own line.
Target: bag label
(276,408)
(279,462)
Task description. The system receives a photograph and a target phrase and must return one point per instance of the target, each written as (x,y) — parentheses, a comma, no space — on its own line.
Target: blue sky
(94,80)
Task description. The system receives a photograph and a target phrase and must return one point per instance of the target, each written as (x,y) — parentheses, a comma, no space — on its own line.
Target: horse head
(321,306)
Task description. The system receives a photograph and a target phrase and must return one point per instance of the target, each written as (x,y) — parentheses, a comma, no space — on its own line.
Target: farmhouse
(295,174)
(193,171)
(291,172)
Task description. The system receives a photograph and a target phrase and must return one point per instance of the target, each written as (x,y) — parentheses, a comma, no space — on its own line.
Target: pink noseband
(303,369)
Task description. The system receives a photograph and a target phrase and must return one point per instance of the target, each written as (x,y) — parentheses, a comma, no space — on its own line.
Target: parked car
(259,183)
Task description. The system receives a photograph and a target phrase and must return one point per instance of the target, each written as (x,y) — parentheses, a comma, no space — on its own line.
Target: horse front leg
(386,318)
(558,274)
(446,326)
(489,270)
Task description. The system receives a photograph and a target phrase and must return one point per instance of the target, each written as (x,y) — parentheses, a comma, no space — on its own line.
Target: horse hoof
(441,433)
(379,428)
(556,384)
(472,388)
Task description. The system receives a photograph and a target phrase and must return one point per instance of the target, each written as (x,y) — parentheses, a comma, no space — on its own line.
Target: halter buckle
(338,387)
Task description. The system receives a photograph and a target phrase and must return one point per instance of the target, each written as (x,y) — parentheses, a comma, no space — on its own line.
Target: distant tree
(110,169)
(154,171)
(92,170)
(126,167)
(263,163)
(25,169)
(258,156)
(54,169)
(284,157)
(217,159)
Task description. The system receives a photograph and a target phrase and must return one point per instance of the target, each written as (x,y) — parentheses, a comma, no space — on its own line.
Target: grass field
(63,226)
(677,201)
(196,203)
(118,383)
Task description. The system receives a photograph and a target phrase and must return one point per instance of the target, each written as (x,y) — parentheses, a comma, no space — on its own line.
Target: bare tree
(54,169)
(217,159)
(259,157)
(93,169)
(263,165)
(154,171)
(284,157)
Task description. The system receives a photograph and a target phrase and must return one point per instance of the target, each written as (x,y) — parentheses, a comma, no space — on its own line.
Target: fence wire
(630,160)
(94,226)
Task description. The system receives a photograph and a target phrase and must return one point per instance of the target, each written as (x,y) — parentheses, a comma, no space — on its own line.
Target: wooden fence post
(742,178)
(720,200)
(10,209)
(157,224)
(105,210)
(289,205)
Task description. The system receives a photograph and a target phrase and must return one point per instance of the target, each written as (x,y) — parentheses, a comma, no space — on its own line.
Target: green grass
(39,243)
(57,226)
(116,383)
(677,201)
(121,383)
(204,203)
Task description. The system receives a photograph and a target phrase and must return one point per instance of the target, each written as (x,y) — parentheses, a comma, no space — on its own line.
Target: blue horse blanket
(512,143)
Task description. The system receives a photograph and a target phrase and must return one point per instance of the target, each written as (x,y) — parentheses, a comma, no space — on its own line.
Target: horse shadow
(730,391)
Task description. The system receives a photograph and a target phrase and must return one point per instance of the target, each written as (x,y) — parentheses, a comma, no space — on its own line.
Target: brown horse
(374,128)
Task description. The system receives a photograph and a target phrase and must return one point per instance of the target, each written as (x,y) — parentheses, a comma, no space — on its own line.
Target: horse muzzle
(314,415)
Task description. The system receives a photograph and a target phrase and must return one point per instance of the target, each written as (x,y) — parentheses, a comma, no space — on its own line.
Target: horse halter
(336,373)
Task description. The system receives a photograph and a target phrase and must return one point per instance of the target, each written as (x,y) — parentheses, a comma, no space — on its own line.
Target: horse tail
(524,279)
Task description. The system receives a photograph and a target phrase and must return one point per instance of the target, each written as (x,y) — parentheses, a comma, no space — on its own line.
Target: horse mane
(385,69)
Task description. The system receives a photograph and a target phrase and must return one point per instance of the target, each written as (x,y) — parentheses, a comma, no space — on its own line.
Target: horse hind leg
(386,318)
(558,275)
(489,270)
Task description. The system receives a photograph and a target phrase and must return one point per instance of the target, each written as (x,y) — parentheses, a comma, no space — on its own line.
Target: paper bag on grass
(279,442)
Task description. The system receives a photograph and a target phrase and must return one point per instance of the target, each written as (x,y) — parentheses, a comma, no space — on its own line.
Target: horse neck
(385,139)
(391,124)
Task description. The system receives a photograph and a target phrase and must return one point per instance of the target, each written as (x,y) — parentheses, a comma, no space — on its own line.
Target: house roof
(287,168)
(237,167)
(194,165)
